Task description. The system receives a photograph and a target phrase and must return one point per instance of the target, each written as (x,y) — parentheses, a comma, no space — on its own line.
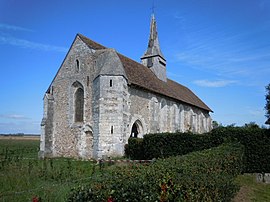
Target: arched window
(79,105)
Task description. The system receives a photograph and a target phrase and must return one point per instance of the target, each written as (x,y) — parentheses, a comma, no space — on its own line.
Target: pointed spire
(153,57)
(153,48)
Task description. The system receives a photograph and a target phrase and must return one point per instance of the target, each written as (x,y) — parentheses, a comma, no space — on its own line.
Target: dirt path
(243,195)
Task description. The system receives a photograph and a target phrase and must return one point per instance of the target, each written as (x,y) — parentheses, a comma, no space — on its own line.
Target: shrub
(135,149)
(256,142)
(199,176)
(170,144)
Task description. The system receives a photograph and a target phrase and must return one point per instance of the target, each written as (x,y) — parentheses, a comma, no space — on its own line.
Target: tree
(267,105)
(215,124)
(251,125)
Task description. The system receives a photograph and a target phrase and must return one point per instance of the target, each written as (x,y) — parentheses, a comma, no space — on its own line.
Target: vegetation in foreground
(23,176)
(181,178)
(199,176)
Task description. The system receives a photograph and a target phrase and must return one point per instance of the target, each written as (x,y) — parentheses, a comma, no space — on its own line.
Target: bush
(256,142)
(135,149)
(199,176)
(170,144)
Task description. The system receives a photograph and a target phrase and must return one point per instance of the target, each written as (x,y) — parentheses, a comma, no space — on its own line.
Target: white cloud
(14,28)
(29,44)
(256,112)
(234,54)
(213,84)
(27,127)
(13,116)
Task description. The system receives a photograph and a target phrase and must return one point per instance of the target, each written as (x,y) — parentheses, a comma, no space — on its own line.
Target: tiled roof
(143,77)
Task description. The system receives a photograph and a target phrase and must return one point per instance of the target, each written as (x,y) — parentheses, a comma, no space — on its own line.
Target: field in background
(23,176)
(14,137)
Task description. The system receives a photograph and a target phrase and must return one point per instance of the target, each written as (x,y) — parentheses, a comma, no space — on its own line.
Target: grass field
(23,176)
(252,190)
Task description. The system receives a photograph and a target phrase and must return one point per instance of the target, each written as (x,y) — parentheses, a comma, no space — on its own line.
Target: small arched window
(77,66)
(79,105)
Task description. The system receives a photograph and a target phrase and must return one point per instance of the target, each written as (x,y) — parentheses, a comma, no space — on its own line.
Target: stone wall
(159,114)
(111,112)
(46,136)
(111,108)
(70,139)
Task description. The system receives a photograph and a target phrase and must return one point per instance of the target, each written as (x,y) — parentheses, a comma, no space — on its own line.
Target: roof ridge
(140,75)
(90,43)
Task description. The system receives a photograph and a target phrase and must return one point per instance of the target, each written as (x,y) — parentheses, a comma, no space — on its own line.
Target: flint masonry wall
(69,138)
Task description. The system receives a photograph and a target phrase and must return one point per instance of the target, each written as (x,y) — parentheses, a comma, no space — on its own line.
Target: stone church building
(99,98)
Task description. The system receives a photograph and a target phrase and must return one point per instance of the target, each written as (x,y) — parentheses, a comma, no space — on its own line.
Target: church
(99,98)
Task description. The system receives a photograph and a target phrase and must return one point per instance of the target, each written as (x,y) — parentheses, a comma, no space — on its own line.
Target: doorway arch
(137,129)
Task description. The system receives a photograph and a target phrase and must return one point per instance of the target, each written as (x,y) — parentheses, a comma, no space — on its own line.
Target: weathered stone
(263,177)
(113,109)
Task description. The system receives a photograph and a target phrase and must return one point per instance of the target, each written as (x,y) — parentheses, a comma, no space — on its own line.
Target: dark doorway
(134,131)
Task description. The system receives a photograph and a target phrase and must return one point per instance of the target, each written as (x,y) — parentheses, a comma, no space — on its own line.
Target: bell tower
(153,57)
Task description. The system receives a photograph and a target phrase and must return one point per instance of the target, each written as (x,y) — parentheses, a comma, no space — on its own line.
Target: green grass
(19,148)
(256,191)
(23,175)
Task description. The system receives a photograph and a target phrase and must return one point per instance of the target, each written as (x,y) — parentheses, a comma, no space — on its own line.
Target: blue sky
(220,49)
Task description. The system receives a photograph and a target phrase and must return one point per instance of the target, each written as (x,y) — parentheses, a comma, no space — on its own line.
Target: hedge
(169,144)
(256,142)
(135,149)
(199,176)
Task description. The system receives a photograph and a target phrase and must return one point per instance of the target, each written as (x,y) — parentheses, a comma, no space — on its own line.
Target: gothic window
(79,105)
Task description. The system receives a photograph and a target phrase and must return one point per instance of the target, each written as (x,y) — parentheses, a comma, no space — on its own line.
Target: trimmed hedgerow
(171,144)
(134,149)
(256,142)
(163,145)
(199,176)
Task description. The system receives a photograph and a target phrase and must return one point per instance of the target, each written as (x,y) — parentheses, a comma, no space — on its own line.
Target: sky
(220,49)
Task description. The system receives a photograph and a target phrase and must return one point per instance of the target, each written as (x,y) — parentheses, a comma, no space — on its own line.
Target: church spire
(153,57)
(153,43)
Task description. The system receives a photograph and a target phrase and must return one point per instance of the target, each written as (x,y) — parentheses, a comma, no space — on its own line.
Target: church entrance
(134,131)
(137,129)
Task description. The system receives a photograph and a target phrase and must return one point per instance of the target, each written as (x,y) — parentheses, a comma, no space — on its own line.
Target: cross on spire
(153,7)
